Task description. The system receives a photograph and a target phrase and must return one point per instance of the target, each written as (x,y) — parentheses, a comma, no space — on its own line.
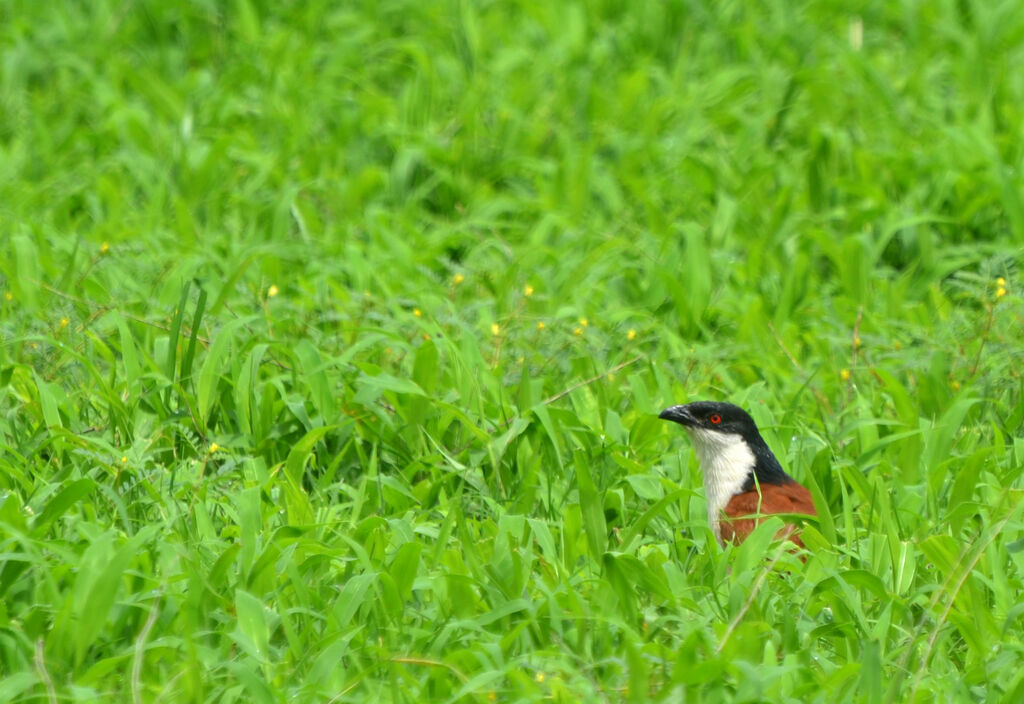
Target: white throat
(726,461)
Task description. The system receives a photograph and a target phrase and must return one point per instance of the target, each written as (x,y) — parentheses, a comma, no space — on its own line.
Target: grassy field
(333,337)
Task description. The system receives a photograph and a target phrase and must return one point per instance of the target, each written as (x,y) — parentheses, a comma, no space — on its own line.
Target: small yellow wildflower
(495,328)
(214,447)
(1001,282)
(844,374)
(540,677)
(458,279)
(856,341)
(528,290)
(124,459)
(955,385)
(492,697)
(272,291)
(8,296)
(104,248)
(1000,292)
(417,312)
(631,335)
(540,325)
(577,331)
(63,322)
(583,322)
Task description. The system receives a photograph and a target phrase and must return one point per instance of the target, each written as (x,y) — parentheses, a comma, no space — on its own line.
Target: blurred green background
(333,336)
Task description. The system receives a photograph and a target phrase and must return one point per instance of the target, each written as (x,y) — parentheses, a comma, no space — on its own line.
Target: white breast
(726,462)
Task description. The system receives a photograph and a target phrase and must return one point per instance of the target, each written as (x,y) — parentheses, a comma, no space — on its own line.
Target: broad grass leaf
(938,442)
(48,402)
(247,400)
(190,351)
(129,356)
(634,530)
(97,585)
(328,666)
(256,687)
(426,366)
(591,508)
(25,279)
(300,510)
(315,377)
(59,504)
(405,566)
(387,382)
(552,433)
(252,624)
(871,672)
(352,597)
(214,366)
(751,553)
(14,684)
(640,575)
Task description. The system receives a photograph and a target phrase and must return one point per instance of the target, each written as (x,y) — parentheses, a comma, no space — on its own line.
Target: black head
(712,415)
(728,419)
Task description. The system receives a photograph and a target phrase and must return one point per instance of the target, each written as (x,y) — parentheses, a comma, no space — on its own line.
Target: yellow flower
(104,248)
(577,331)
(540,325)
(8,296)
(417,312)
(528,290)
(955,385)
(856,341)
(1000,292)
(214,447)
(844,374)
(458,279)
(583,322)
(1001,282)
(124,459)
(63,322)
(495,328)
(540,677)
(272,291)
(426,337)
(631,335)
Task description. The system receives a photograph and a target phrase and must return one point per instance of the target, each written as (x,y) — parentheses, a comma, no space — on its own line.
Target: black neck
(767,469)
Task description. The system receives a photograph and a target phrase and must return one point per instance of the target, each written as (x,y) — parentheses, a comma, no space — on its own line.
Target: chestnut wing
(742,511)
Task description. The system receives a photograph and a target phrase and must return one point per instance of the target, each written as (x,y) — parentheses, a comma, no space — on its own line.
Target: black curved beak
(679,414)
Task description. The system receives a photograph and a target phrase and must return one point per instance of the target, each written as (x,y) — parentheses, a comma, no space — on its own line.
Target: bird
(743,480)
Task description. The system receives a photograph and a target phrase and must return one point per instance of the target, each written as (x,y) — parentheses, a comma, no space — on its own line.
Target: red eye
(715,418)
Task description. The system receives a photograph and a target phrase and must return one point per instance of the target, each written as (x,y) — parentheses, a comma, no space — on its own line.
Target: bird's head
(730,448)
(724,436)
(712,416)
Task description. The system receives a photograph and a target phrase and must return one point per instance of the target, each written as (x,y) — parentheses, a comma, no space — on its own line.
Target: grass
(333,335)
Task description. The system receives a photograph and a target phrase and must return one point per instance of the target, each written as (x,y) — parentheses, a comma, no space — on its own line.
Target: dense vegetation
(333,337)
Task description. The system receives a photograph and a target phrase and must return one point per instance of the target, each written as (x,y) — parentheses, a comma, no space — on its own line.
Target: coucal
(743,481)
